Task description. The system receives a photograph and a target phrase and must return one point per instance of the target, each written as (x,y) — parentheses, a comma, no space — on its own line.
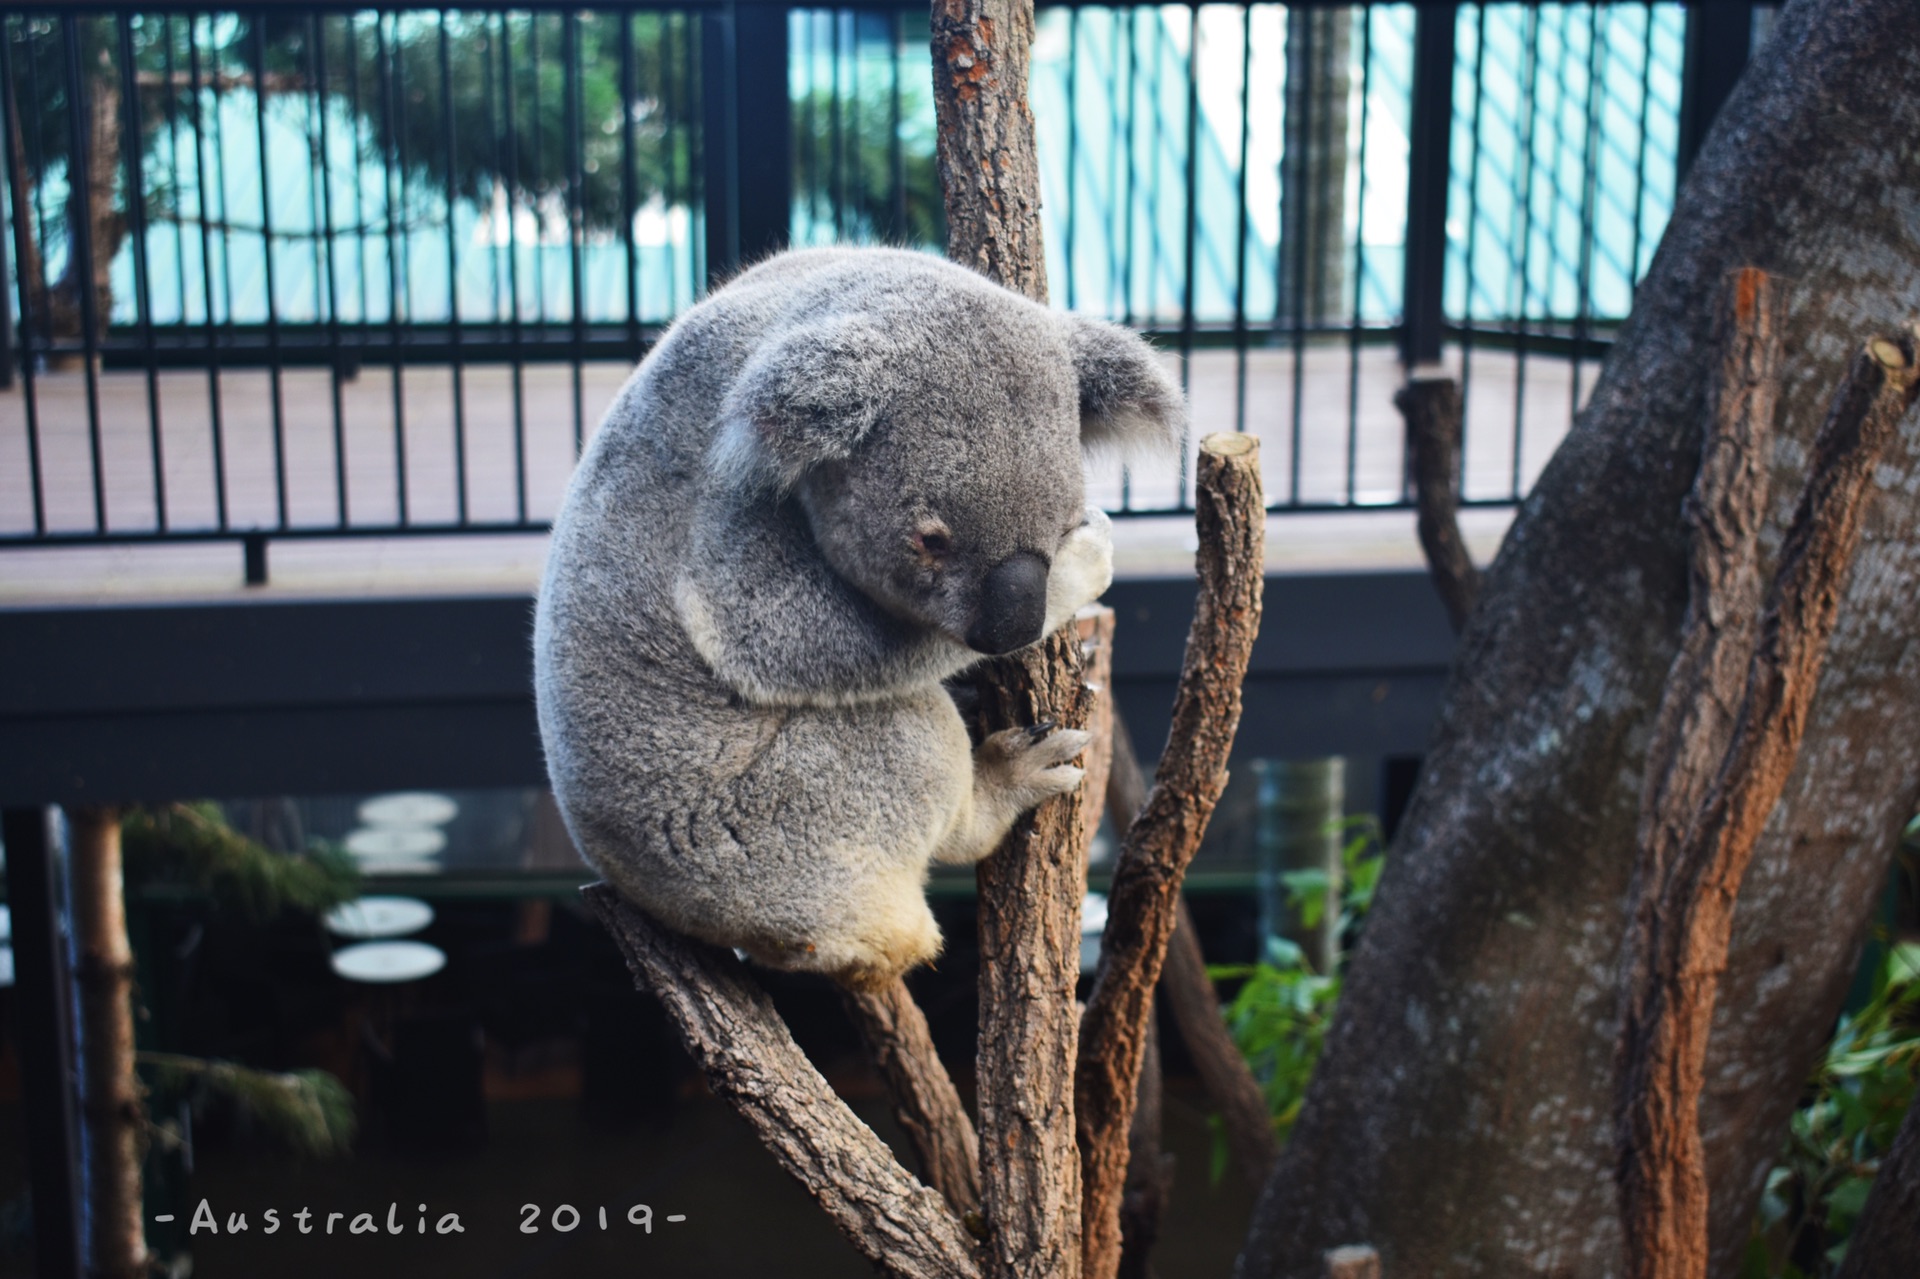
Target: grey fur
(740,643)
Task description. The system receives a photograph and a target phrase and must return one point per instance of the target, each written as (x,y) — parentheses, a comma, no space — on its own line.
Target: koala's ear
(1127,399)
(807,398)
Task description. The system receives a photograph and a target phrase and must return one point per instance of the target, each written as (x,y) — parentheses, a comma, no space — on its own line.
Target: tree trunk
(114,1119)
(1030,888)
(93,204)
(1459,1121)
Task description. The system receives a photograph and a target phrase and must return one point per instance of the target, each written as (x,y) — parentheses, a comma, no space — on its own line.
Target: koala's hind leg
(1012,771)
(880,933)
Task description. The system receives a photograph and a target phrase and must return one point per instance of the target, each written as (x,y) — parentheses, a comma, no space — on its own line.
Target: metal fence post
(1423,324)
(45,1036)
(1719,40)
(747,118)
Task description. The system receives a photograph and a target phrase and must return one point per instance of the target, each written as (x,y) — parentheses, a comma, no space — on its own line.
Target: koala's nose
(1013,605)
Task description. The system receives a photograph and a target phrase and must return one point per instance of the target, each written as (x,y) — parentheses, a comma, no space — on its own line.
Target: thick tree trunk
(115,1120)
(1459,1120)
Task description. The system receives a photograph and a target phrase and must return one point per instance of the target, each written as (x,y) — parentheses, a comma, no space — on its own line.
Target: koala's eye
(933,543)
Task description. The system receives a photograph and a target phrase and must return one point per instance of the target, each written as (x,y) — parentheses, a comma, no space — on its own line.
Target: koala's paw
(1022,766)
(1082,569)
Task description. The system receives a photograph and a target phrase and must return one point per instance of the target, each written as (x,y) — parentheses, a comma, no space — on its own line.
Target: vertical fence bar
(1529,106)
(1719,37)
(671,91)
(629,94)
(719,142)
(1429,172)
(896,146)
(23,253)
(171,113)
(1241,227)
(274,387)
(385,58)
(515,331)
(576,212)
(537,171)
(455,371)
(318,65)
(1640,143)
(1469,276)
(136,208)
(361,226)
(44,1002)
(1589,198)
(1190,237)
(837,141)
(857,171)
(1359,260)
(1296,202)
(82,269)
(215,422)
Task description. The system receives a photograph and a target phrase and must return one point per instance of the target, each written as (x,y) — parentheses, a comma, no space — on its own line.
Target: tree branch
(749,1058)
(925,1102)
(1231,518)
(1431,407)
(989,168)
(1195,1006)
(1677,962)
(1149,1169)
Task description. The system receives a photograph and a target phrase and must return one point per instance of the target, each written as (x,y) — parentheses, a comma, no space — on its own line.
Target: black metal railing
(321,271)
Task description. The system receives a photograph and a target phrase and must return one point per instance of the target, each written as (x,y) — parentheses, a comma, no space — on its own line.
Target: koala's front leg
(1082,569)
(1012,771)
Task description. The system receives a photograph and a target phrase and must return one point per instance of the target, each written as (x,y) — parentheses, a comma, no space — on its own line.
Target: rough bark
(1459,1119)
(989,169)
(1663,1178)
(1190,997)
(1886,1240)
(730,1028)
(1029,892)
(1149,1168)
(925,1102)
(1659,1134)
(1230,515)
(1431,407)
(114,1120)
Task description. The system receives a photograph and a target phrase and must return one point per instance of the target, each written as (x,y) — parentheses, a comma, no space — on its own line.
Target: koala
(838,481)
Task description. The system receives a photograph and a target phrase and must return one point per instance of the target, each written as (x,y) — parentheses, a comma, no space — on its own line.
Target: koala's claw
(1041,729)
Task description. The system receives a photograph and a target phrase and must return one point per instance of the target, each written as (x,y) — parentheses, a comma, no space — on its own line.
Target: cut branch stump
(1230,512)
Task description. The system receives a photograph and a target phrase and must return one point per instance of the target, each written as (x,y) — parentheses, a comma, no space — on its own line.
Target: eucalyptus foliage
(1279,1017)
(1855,1101)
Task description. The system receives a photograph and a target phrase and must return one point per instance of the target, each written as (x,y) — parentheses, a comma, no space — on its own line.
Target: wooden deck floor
(1332,439)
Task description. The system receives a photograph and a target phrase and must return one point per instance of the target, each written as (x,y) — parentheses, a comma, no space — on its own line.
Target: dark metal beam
(1719,41)
(1429,173)
(261,697)
(43,1007)
(747,139)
